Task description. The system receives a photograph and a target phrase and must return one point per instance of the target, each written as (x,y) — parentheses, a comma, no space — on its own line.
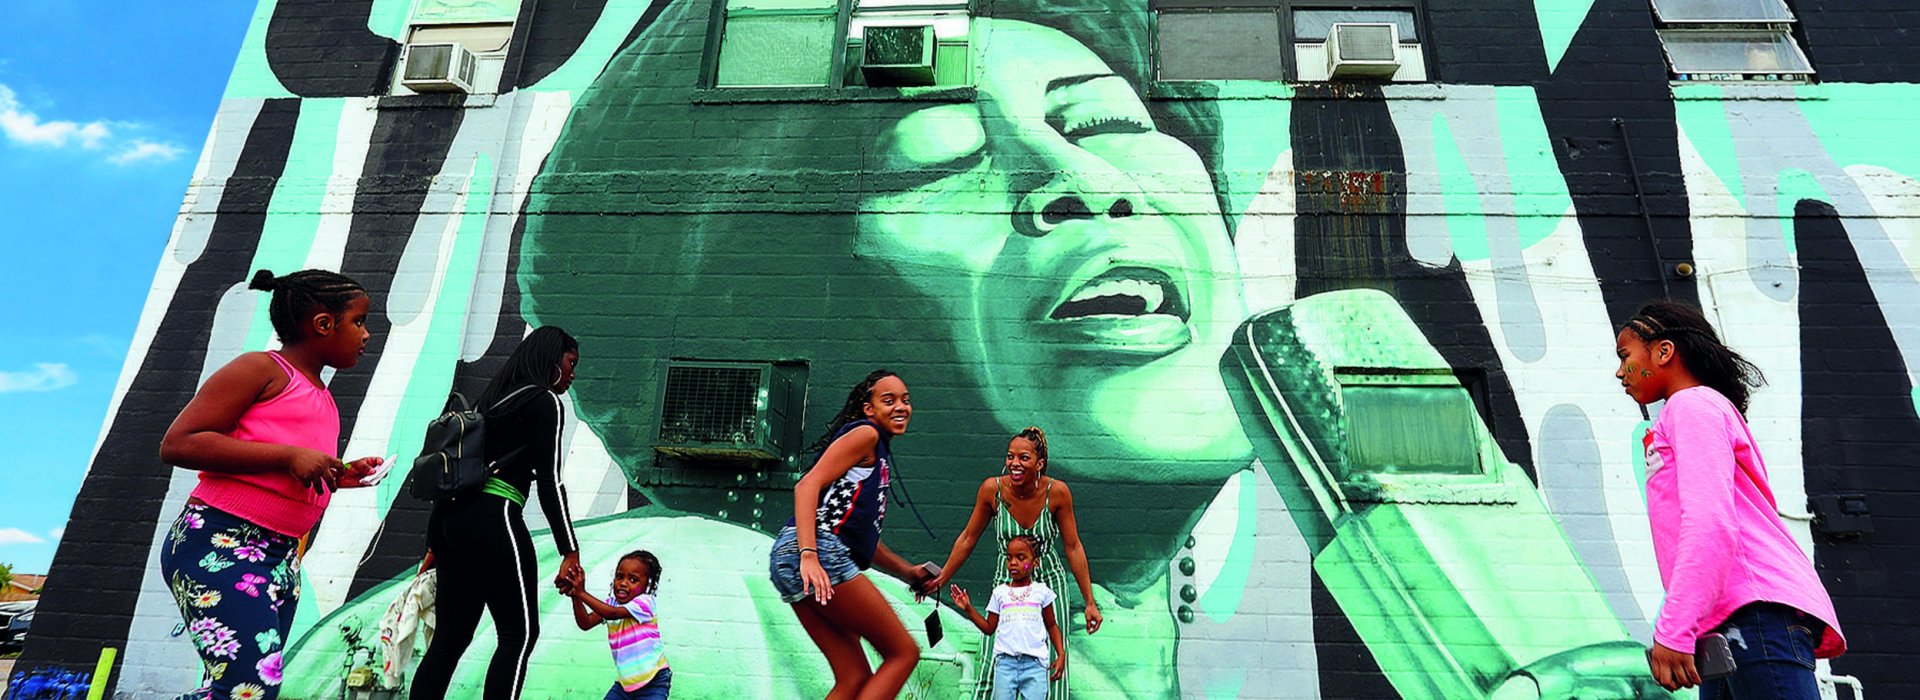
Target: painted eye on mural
(938,136)
(1111,124)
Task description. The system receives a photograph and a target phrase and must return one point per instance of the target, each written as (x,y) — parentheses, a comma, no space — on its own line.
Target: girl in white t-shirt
(1020,618)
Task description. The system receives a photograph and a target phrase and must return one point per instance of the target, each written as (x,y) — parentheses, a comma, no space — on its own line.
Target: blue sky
(103,111)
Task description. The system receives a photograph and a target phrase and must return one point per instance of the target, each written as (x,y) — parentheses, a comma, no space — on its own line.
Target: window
(1730,40)
(895,43)
(1305,40)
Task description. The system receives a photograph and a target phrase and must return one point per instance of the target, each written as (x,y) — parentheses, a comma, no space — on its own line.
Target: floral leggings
(237,585)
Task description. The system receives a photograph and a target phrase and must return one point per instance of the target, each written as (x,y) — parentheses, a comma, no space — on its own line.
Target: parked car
(14,620)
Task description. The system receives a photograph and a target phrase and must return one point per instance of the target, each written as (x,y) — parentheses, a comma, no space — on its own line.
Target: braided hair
(1038,437)
(853,410)
(1033,543)
(652,563)
(1701,352)
(300,294)
(534,362)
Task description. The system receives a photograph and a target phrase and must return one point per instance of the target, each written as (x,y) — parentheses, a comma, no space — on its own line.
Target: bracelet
(804,550)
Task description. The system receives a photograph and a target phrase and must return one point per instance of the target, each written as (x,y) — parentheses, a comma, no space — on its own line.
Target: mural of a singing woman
(1047,249)
(1046,252)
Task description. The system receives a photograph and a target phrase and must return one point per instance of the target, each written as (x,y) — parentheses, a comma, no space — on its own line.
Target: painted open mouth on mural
(1130,307)
(1124,291)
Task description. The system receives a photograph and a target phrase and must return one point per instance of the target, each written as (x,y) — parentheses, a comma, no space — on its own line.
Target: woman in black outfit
(480,540)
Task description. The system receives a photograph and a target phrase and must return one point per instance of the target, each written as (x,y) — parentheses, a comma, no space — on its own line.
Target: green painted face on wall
(1075,252)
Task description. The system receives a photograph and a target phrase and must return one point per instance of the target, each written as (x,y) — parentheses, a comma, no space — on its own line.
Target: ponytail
(1038,437)
(302,293)
(1701,352)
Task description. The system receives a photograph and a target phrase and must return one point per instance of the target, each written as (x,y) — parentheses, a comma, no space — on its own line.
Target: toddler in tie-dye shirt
(632,630)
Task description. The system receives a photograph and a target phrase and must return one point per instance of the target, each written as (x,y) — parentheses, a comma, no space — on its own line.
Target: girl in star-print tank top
(818,558)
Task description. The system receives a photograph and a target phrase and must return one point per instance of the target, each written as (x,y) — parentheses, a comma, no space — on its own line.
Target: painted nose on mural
(1074,197)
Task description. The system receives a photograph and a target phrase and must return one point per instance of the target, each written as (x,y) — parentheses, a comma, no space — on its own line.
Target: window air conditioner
(1357,50)
(898,55)
(738,410)
(444,67)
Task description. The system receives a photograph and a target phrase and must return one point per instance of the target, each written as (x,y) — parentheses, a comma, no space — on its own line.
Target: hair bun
(263,280)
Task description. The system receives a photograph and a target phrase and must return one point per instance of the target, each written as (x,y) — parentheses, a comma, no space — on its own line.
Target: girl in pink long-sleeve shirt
(1728,563)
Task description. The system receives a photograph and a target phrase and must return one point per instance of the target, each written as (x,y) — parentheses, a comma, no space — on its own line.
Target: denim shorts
(655,689)
(1019,677)
(784,563)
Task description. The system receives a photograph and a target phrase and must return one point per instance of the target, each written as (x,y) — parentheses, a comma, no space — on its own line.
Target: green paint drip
(1702,116)
(1466,225)
(432,373)
(585,65)
(1792,186)
(388,18)
(1540,196)
(1223,597)
(1866,124)
(252,77)
(1253,135)
(1560,20)
(286,239)
(432,376)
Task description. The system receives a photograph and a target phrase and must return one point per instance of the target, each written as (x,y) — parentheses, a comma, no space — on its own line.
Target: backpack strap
(457,402)
(504,399)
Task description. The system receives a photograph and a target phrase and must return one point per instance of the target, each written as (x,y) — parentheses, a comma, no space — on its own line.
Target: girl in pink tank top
(264,434)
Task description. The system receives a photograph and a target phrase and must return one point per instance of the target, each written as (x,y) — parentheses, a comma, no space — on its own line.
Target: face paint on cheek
(1646,373)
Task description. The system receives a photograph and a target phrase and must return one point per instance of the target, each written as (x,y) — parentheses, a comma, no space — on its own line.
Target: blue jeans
(783,563)
(1772,648)
(655,689)
(1019,677)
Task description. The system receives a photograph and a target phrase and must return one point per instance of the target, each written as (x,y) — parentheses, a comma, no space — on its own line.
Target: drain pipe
(1640,200)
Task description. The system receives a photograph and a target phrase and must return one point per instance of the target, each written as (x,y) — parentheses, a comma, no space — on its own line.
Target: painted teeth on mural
(1122,292)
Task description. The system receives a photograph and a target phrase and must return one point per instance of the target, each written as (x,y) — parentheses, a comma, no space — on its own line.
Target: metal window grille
(712,405)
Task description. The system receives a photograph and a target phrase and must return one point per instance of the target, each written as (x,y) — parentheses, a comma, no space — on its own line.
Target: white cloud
(57,533)
(26,128)
(14,535)
(45,376)
(141,149)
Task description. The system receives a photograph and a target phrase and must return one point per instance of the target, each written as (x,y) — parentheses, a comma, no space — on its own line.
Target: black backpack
(453,461)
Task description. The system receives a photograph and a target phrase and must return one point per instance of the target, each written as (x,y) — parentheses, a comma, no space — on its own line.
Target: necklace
(1020,594)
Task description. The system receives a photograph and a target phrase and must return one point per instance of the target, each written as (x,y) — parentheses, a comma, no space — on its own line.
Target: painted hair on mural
(1701,352)
(299,294)
(857,397)
(534,362)
(646,559)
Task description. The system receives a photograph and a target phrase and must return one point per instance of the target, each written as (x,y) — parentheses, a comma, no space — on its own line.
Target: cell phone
(933,572)
(1712,658)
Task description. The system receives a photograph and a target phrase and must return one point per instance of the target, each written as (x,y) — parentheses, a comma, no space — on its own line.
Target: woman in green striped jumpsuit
(1023,500)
